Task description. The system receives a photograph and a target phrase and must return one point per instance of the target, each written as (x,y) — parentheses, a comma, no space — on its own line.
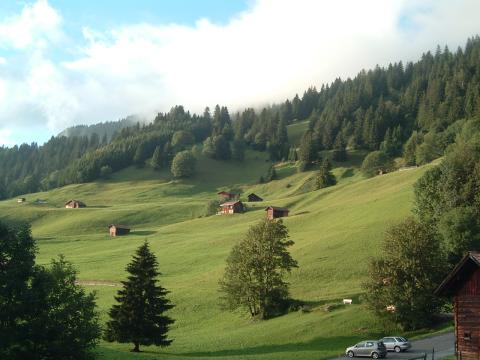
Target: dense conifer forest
(411,110)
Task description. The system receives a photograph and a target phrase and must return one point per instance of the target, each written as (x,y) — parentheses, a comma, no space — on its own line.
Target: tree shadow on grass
(143,232)
(347,173)
(327,344)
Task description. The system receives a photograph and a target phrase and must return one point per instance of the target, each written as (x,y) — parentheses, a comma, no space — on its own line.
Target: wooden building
(21,200)
(74,204)
(254,198)
(226,196)
(274,212)
(117,230)
(232,207)
(463,284)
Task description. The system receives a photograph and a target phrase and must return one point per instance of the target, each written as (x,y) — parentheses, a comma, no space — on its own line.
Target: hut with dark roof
(254,198)
(74,204)
(232,207)
(463,284)
(274,212)
(226,196)
(117,230)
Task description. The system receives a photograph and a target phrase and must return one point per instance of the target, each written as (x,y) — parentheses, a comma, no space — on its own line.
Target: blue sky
(64,62)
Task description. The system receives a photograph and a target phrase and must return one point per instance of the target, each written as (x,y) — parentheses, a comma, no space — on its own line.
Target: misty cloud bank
(265,54)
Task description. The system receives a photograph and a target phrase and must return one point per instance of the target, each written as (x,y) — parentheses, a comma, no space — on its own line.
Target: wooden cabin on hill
(118,230)
(254,198)
(463,284)
(74,204)
(226,196)
(21,200)
(274,212)
(232,207)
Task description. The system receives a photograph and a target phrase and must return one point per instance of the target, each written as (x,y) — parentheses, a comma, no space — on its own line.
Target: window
(467,335)
(369,344)
(360,345)
(388,340)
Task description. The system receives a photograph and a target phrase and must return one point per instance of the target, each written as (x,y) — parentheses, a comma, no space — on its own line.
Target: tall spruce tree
(139,317)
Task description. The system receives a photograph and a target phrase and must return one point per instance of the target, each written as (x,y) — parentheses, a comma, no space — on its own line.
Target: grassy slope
(335,231)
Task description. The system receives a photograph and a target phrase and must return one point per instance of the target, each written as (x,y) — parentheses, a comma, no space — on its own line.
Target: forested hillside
(412,110)
(104,129)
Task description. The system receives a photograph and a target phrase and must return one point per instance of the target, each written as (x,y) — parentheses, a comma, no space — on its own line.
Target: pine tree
(139,315)
(157,158)
(325,177)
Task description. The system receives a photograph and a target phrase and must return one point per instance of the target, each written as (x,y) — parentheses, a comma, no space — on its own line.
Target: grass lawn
(336,230)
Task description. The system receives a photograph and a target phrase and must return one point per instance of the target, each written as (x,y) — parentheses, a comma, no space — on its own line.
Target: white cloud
(265,54)
(5,137)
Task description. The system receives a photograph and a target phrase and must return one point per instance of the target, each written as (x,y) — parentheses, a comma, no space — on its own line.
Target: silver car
(396,343)
(371,348)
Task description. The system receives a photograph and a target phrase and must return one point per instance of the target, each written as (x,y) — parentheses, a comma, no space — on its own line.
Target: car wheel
(374,355)
(397,349)
(350,354)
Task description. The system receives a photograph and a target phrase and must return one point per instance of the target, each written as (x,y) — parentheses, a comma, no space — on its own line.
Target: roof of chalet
(276,208)
(459,274)
(229,203)
(80,202)
(118,226)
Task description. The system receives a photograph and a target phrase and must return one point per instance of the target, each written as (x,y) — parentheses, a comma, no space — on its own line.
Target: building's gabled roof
(459,274)
(73,200)
(254,195)
(276,208)
(118,226)
(230,203)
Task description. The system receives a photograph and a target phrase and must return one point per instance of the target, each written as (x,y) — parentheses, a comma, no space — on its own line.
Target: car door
(369,346)
(360,349)
(389,343)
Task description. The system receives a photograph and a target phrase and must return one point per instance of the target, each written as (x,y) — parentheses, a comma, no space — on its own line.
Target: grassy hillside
(335,231)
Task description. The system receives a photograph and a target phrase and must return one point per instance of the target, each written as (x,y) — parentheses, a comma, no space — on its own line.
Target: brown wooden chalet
(21,200)
(463,284)
(74,204)
(232,207)
(274,212)
(226,196)
(254,198)
(117,230)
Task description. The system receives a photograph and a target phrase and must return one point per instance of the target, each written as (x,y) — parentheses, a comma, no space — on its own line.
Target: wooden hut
(117,230)
(274,212)
(21,200)
(254,198)
(226,196)
(232,207)
(463,284)
(74,204)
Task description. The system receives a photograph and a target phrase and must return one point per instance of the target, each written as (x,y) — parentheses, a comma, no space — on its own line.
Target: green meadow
(336,230)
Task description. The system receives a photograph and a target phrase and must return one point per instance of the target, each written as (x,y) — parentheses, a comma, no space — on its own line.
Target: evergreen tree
(324,176)
(339,150)
(271,174)
(157,158)
(139,317)
(238,150)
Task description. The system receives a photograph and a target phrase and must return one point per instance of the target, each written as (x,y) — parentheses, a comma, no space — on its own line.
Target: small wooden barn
(463,284)
(232,207)
(21,200)
(226,196)
(254,197)
(118,230)
(274,212)
(74,204)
